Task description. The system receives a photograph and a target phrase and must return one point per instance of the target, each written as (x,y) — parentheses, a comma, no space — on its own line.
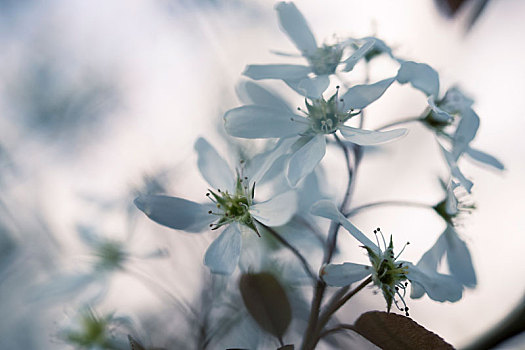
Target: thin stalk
(315,231)
(334,227)
(311,335)
(331,309)
(294,250)
(387,203)
(161,292)
(399,122)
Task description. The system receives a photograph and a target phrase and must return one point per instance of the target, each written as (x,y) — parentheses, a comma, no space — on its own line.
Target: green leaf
(266,301)
(393,331)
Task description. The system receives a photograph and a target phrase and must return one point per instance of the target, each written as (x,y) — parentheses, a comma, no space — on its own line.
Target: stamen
(377,239)
(401,251)
(382,236)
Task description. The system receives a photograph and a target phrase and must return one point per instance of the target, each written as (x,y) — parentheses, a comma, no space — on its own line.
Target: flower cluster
(296,141)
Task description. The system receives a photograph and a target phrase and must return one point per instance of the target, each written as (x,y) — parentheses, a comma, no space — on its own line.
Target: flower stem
(333,306)
(336,305)
(386,203)
(399,122)
(311,335)
(294,250)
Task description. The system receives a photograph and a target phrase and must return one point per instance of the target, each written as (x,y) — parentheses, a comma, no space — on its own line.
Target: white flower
(449,243)
(312,79)
(231,206)
(91,284)
(303,136)
(89,331)
(442,115)
(389,274)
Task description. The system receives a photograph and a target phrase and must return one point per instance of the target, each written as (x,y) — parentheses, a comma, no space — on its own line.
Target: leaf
(393,331)
(266,301)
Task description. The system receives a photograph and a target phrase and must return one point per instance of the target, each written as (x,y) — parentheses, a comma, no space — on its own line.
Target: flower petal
(254,122)
(341,275)
(439,114)
(358,55)
(360,96)
(276,211)
(455,101)
(305,159)
(455,171)
(213,167)
(276,71)
(459,259)
(465,132)
(370,137)
(263,164)
(251,93)
(88,235)
(223,253)
(294,24)
(485,158)
(432,257)
(327,209)
(379,46)
(311,88)
(421,76)
(176,213)
(439,287)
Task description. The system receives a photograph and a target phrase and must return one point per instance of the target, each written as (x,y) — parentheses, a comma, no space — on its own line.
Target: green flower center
(93,333)
(111,255)
(390,276)
(326,116)
(233,207)
(325,59)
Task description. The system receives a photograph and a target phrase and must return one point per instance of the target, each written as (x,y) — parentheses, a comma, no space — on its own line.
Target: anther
(209,211)
(207,194)
(219,190)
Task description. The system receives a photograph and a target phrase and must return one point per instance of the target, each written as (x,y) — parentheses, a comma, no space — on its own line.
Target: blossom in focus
(388,273)
(313,79)
(303,136)
(231,206)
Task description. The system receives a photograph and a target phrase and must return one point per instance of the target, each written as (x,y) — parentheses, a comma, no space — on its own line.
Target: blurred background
(102,100)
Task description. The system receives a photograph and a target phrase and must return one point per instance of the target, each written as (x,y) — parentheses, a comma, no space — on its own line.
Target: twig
(386,203)
(294,250)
